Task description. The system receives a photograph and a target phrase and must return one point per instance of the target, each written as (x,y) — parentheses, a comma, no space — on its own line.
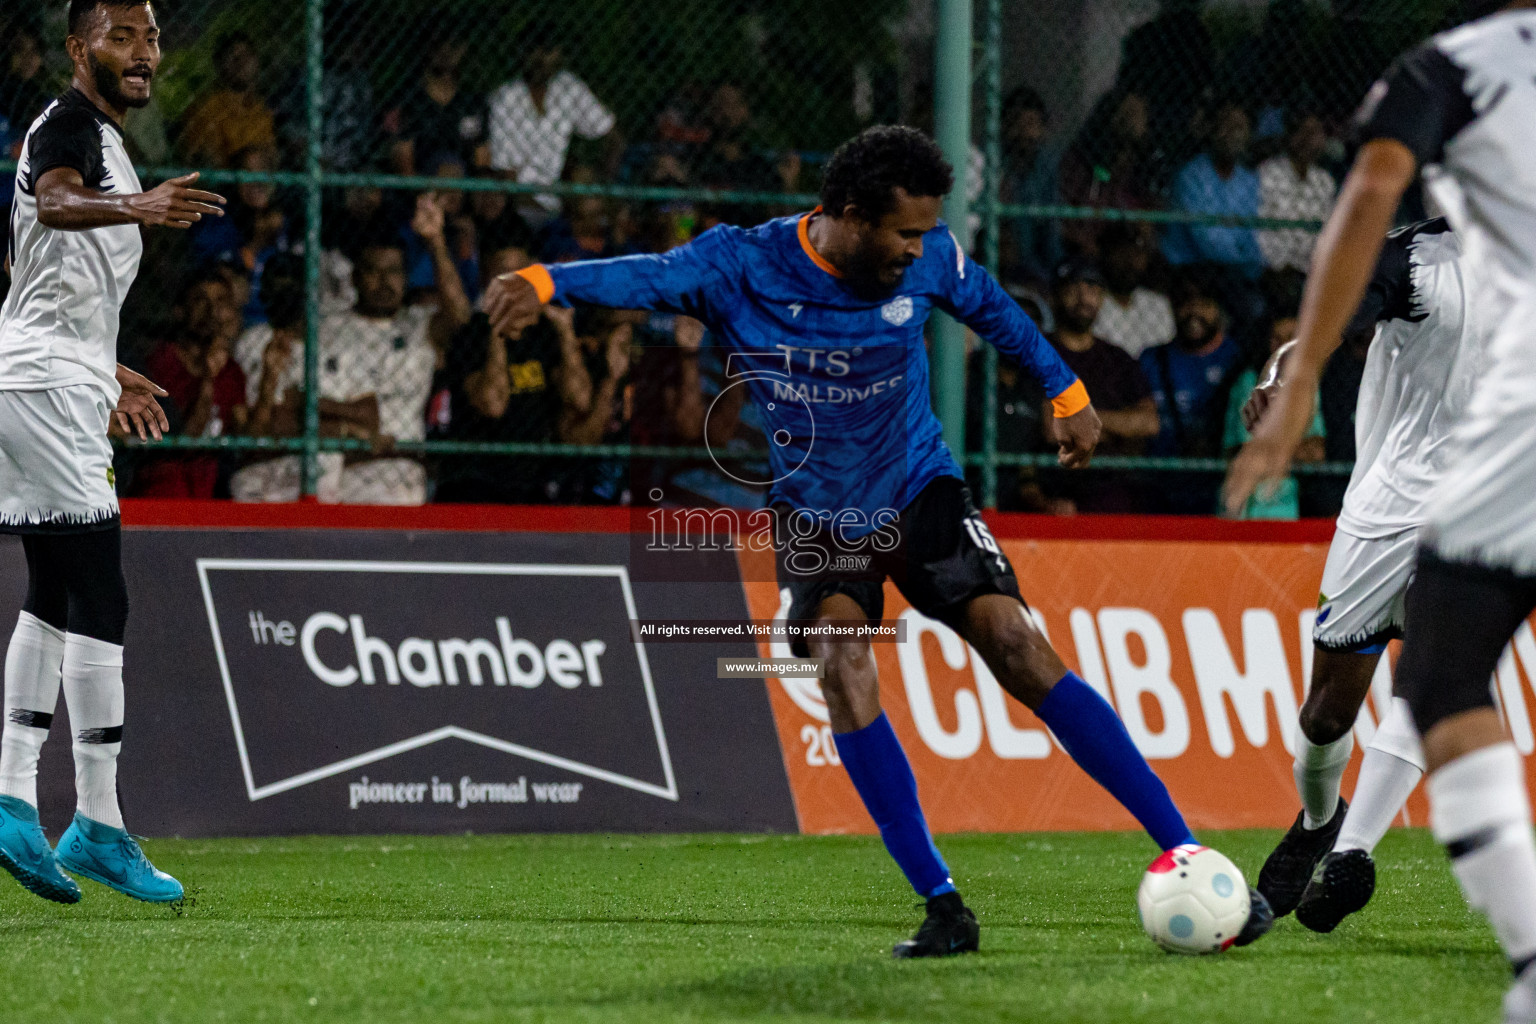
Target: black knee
(87,570)
(1459,619)
(47,596)
(99,608)
(843,663)
(1322,723)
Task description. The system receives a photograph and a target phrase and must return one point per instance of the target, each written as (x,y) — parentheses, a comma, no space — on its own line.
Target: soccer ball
(1193,900)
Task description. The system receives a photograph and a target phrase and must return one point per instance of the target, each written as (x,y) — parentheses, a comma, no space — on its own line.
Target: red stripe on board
(149,513)
(1176,528)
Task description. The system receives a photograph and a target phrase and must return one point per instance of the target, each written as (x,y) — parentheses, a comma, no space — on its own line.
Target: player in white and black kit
(1426,347)
(1461,107)
(74,253)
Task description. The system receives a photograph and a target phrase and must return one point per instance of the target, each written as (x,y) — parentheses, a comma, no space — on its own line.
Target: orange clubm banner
(1201,646)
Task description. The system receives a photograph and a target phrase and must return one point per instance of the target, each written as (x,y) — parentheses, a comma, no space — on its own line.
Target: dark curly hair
(868,168)
(80,9)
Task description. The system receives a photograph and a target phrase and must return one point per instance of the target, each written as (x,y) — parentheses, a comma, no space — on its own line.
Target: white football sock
(1393,765)
(1479,810)
(1318,771)
(33,664)
(93,691)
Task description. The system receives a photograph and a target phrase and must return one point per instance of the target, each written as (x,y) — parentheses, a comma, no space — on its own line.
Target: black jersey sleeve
(1389,296)
(69,138)
(1421,102)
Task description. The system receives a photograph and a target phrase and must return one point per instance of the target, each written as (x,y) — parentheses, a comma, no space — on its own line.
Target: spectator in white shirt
(533,119)
(1133,317)
(1293,187)
(376,368)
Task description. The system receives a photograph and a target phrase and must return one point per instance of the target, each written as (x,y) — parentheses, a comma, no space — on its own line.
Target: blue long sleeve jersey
(842,380)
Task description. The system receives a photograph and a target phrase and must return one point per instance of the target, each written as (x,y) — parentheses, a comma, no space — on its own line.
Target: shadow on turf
(874,985)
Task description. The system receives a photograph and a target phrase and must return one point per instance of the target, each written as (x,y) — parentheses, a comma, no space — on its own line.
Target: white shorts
(1361,604)
(1480,514)
(55,461)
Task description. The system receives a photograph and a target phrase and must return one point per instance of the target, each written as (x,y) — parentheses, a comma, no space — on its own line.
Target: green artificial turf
(708,928)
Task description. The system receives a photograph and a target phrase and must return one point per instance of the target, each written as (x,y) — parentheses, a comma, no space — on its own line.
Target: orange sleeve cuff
(1071,401)
(544,285)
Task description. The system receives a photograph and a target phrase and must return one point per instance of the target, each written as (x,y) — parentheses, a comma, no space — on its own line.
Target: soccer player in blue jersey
(826,311)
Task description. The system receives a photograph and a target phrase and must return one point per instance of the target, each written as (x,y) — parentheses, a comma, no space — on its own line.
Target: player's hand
(175,204)
(429,220)
(1263,462)
(1266,458)
(513,305)
(1267,388)
(137,411)
(1076,437)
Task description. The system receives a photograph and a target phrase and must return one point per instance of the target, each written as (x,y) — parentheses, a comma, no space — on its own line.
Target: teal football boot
(112,857)
(26,854)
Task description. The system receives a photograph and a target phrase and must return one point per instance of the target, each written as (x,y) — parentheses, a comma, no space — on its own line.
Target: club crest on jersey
(897,311)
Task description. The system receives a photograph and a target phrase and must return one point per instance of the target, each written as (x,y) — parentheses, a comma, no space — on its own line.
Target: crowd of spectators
(1166,323)
(1195,304)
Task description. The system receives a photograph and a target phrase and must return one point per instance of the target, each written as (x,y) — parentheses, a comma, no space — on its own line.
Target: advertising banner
(423,678)
(336,681)
(1202,647)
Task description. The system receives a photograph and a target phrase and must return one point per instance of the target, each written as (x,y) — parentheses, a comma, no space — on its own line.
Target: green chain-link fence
(321,339)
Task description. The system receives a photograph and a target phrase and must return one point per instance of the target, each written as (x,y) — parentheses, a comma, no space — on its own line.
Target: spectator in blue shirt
(1190,378)
(1217,182)
(1032,247)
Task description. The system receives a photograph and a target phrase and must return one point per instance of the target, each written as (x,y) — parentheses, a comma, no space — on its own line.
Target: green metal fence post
(952,129)
(315,71)
(991,237)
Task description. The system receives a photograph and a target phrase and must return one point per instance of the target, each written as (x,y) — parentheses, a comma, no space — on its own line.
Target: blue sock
(880,772)
(1096,739)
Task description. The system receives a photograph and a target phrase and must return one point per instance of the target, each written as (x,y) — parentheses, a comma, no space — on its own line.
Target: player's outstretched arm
(975,298)
(1264,392)
(681,280)
(65,204)
(1342,265)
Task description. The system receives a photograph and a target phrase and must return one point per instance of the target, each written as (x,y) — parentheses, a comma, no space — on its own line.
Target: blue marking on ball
(1222,883)
(1180,926)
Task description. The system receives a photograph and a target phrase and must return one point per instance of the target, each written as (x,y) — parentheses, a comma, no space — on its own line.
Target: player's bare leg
(851,686)
(1324,743)
(1345,879)
(1022,660)
(874,760)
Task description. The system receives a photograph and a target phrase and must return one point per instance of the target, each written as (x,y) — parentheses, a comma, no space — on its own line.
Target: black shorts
(937,551)
(1459,619)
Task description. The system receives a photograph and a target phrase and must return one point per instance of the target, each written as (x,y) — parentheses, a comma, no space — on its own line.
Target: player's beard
(109,84)
(862,277)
